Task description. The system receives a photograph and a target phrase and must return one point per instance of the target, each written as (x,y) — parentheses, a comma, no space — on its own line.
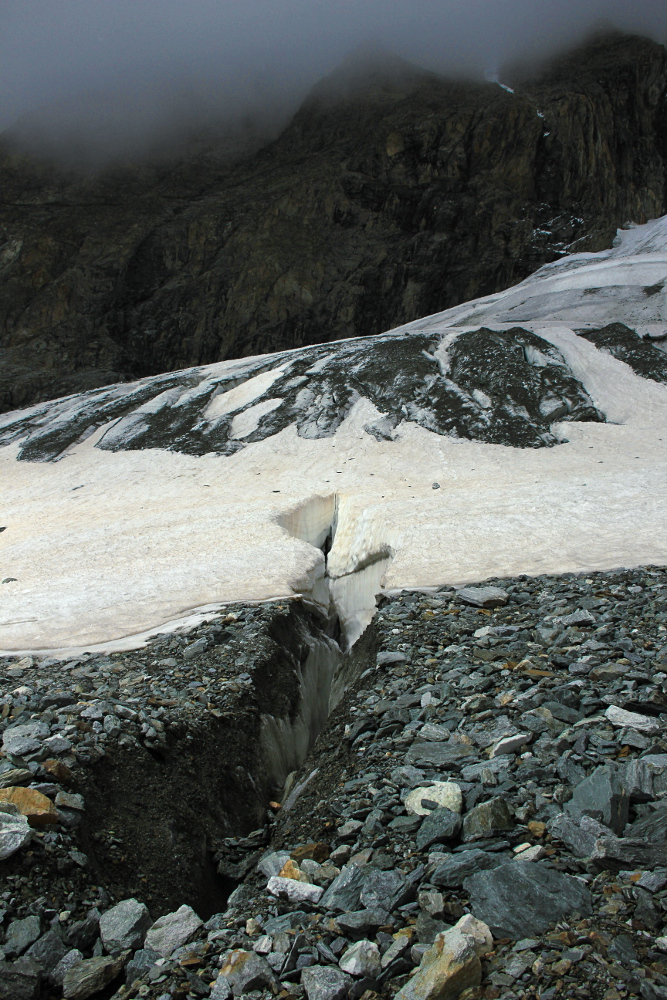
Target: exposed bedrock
(390,202)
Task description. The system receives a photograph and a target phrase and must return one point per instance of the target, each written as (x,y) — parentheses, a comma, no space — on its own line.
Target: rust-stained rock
(58,770)
(452,964)
(291,870)
(313,852)
(39,809)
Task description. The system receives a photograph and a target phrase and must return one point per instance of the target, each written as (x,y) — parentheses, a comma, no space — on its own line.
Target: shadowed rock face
(498,387)
(371,209)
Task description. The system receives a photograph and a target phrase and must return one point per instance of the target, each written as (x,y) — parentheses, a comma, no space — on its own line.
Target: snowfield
(525,432)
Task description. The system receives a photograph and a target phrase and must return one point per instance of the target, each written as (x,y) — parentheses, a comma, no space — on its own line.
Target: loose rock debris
(484,814)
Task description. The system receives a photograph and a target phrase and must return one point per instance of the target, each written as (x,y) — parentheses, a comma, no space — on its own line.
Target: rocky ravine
(392,194)
(482,814)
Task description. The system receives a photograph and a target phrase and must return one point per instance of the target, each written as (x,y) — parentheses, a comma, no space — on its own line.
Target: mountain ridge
(360,216)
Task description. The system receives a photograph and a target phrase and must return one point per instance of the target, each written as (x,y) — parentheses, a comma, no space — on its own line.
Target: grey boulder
(451,874)
(323,982)
(441,825)
(603,796)
(14,833)
(522,899)
(20,935)
(124,925)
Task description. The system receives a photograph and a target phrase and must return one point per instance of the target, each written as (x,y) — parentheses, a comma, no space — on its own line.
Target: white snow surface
(109,546)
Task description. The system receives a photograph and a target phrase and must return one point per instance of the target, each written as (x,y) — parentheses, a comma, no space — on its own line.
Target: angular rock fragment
(602,796)
(323,982)
(442,825)
(124,925)
(344,893)
(20,982)
(620,717)
(578,834)
(47,951)
(483,597)
(91,975)
(245,971)
(487,819)
(38,808)
(173,930)
(384,890)
(522,899)
(446,794)
(623,853)
(20,935)
(295,891)
(452,964)
(361,959)
(451,874)
(15,832)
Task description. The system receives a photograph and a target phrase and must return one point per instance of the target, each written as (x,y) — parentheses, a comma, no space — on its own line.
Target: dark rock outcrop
(379,203)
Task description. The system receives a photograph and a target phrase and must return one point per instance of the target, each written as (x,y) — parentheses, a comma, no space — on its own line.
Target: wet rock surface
(556,848)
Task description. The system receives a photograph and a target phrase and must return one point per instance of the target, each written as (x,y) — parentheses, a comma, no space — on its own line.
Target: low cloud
(111,78)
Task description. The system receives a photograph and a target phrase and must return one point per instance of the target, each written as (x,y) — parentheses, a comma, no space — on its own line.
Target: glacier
(524,432)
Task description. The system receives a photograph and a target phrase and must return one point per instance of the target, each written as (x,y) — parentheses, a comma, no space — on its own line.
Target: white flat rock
(150,505)
(620,717)
(295,892)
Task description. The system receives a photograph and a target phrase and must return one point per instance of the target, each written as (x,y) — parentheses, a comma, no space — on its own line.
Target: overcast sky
(162,58)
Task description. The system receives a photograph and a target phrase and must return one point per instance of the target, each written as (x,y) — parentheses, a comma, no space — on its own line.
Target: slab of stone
(652,828)
(91,975)
(523,898)
(173,930)
(293,890)
(20,935)
(446,794)
(487,819)
(510,744)
(483,597)
(221,990)
(48,950)
(361,959)
(390,657)
(622,853)
(603,796)
(452,964)
(440,755)
(359,923)
(272,863)
(451,874)
(325,982)
(24,739)
(124,925)
(442,825)
(344,893)
(67,962)
(578,834)
(38,808)
(620,717)
(384,890)
(20,982)
(637,776)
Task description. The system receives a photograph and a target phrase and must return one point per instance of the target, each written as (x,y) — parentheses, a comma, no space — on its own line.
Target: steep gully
(218,773)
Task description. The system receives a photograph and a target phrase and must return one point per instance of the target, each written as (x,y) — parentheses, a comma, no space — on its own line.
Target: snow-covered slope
(523,432)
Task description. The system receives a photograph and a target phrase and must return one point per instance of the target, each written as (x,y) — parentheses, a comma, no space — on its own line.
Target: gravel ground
(503,755)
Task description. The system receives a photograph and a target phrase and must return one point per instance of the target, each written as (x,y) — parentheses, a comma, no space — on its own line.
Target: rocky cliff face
(382,201)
